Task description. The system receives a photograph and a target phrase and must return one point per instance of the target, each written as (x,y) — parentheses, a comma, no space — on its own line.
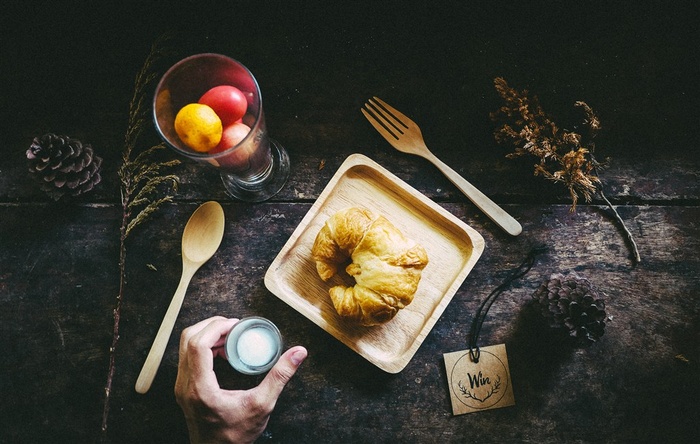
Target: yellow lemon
(198,126)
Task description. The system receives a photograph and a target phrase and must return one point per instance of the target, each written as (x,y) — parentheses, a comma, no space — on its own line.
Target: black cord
(486,304)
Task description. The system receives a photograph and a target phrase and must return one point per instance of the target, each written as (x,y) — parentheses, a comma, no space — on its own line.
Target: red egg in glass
(233,135)
(229,103)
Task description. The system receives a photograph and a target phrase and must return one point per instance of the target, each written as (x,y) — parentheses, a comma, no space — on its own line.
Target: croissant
(386,265)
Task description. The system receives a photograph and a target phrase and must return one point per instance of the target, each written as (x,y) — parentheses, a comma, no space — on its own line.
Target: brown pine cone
(570,302)
(63,165)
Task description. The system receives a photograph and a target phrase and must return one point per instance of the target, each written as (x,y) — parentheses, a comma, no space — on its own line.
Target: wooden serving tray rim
(453,250)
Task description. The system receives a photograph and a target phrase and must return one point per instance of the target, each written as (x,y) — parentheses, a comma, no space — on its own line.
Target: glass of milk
(253,345)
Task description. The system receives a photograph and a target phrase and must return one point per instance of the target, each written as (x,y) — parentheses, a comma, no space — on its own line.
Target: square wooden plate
(453,249)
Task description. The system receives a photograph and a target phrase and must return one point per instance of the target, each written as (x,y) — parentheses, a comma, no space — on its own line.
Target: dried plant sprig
(144,189)
(565,157)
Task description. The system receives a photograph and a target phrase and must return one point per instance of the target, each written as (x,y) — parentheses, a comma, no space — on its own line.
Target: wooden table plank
(559,391)
(72,73)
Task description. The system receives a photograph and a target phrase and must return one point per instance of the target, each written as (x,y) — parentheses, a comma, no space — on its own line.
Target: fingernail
(298,357)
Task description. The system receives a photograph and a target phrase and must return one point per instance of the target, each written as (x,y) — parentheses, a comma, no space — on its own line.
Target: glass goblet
(252,170)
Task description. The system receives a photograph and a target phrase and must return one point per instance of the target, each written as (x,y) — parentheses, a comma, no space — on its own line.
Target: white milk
(256,346)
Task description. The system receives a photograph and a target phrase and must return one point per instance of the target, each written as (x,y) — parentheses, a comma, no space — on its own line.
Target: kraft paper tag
(485,385)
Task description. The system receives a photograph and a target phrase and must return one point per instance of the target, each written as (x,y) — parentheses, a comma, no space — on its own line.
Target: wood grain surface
(71,71)
(453,249)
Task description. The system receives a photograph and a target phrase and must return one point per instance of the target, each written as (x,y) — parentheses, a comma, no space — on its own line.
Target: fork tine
(381,127)
(395,113)
(385,119)
(391,121)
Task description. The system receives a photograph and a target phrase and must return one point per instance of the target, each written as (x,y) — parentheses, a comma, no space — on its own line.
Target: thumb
(277,378)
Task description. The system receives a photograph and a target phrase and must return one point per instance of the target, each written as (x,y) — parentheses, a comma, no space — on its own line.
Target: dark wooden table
(71,71)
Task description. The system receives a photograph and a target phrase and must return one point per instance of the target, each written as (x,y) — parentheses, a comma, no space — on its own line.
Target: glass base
(266,187)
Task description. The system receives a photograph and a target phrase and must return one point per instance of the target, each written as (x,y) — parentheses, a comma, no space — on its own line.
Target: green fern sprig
(141,177)
(142,183)
(144,188)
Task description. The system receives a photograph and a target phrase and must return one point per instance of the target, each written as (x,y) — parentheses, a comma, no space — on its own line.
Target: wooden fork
(404,135)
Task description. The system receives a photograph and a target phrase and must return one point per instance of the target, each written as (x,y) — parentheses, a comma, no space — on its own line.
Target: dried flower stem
(628,234)
(564,156)
(142,182)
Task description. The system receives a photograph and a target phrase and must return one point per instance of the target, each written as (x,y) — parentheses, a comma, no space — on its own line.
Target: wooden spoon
(200,240)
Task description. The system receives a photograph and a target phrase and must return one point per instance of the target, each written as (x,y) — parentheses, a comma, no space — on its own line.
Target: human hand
(212,413)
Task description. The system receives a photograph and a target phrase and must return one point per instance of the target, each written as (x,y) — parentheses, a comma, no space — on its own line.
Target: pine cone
(63,166)
(571,302)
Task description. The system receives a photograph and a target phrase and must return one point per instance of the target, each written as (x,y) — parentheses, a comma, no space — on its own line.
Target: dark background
(69,67)
(636,63)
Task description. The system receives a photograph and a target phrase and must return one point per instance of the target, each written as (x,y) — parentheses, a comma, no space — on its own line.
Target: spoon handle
(489,207)
(150,367)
